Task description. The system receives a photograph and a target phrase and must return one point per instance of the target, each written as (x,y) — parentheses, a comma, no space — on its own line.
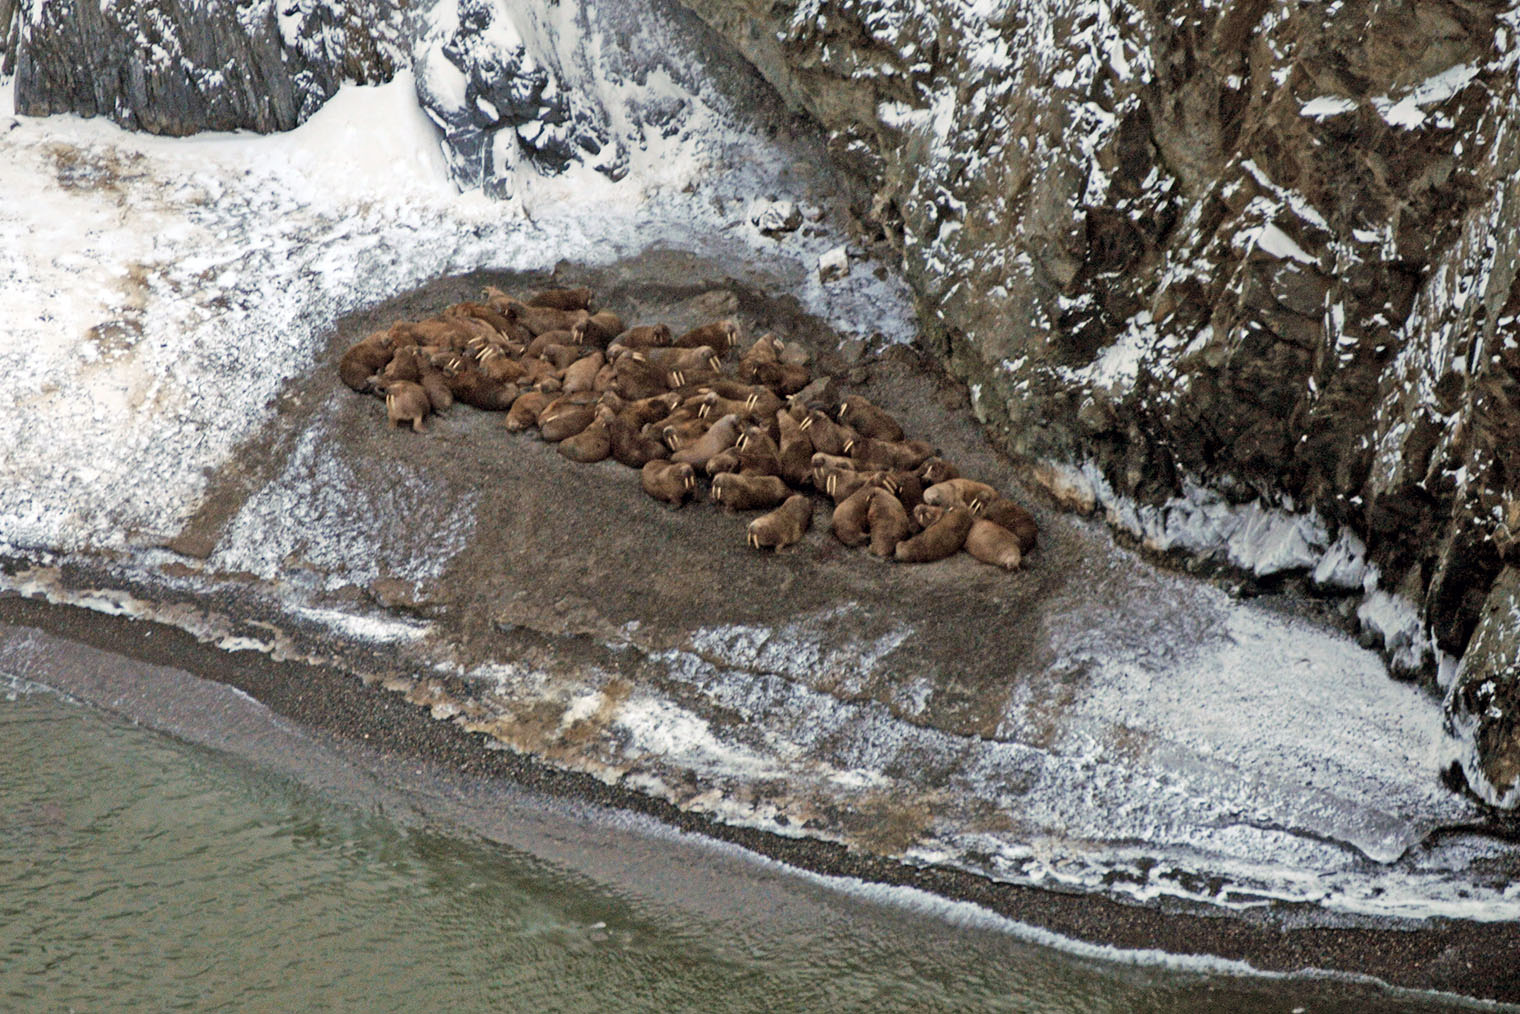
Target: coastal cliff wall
(1241,274)
(1218,264)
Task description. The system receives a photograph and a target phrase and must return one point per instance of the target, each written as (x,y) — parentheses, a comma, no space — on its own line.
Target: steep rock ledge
(1216,263)
(169,68)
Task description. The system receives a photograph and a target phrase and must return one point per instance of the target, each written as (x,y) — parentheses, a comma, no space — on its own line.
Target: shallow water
(138,872)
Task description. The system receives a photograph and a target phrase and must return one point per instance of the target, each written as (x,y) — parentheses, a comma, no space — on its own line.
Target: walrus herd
(765,434)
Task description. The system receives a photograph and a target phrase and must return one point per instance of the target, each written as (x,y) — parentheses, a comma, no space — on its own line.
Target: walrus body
(406,401)
(994,544)
(1010,516)
(668,481)
(888,521)
(850,522)
(784,526)
(748,492)
(943,538)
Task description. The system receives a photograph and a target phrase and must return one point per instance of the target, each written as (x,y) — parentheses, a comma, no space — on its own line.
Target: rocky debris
(775,218)
(169,67)
(834,265)
(766,432)
(1264,255)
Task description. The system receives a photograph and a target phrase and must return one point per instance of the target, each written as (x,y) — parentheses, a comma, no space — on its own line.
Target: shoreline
(1462,958)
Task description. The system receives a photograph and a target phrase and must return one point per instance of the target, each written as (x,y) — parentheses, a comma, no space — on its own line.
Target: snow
(140,292)
(1327,105)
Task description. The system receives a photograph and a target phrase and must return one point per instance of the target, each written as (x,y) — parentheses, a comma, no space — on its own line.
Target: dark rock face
(500,98)
(1266,253)
(170,68)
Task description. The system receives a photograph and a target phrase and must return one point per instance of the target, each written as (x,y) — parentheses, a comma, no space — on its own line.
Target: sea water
(142,873)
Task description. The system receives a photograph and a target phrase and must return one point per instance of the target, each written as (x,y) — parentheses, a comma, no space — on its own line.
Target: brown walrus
(953,492)
(581,374)
(722,336)
(359,364)
(888,454)
(937,470)
(994,544)
(943,538)
(406,401)
(594,443)
(888,521)
(641,336)
(850,522)
(1011,516)
(668,481)
(719,437)
(524,411)
(795,452)
(867,419)
(827,435)
(562,299)
(783,526)
(748,492)
(566,416)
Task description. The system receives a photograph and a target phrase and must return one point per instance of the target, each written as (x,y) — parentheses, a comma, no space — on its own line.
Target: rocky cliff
(1223,265)
(1239,274)
(168,67)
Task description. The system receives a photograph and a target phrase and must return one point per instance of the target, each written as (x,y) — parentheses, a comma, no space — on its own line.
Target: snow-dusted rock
(834,265)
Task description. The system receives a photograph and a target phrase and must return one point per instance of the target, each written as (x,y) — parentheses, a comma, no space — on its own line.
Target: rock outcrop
(1223,262)
(167,67)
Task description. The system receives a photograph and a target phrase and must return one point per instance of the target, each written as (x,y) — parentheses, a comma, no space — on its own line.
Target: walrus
(748,492)
(563,337)
(795,452)
(561,356)
(361,361)
(721,336)
(943,538)
(723,461)
(524,411)
(826,435)
(994,544)
(668,481)
(498,366)
(566,416)
(540,319)
(766,349)
(482,311)
(436,385)
(850,522)
(694,359)
(953,492)
(642,336)
(601,327)
(888,454)
(477,390)
(936,470)
(888,522)
(783,378)
(720,436)
(757,453)
(406,401)
(679,430)
(926,514)
(1011,516)
(630,447)
(561,299)
(867,419)
(909,488)
(594,443)
(581,374)
(634,377)
(405,364)
(782,527)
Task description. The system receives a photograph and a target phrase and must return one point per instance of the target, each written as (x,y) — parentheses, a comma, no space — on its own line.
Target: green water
(138,873)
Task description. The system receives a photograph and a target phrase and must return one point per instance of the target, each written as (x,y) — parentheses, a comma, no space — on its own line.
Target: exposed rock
(1264,252)
(1483,706)
(775,218)
(834,265)
(168,67)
